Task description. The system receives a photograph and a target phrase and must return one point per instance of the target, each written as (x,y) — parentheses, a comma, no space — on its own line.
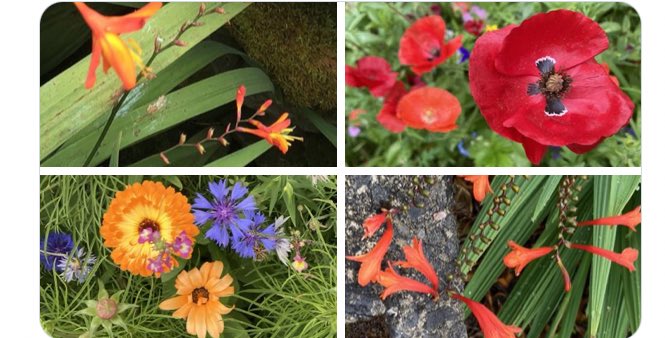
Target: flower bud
(211,131)
(180,43)
(200,148)
(183,138)
(202,9)
(165,159)
(158,44)
(106,308)
(219,10)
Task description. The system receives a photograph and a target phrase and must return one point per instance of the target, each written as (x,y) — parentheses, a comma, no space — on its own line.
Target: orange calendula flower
(394,282)
(626,258)
(630,219)
(276,134)
(481,185)
(197,300)
(373,223)
(139,217)
(520,256)
(106,42)
(490,324)
(370,263)
(415,258)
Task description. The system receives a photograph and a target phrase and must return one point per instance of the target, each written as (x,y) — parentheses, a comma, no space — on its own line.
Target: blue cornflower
(223,210)
(555,152)
(463,54)
(77,267)
(54,248)
(249,235)
(463,151)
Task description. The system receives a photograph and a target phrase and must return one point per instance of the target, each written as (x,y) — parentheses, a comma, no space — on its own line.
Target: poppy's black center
(552,84)
(433,54)
(148,224)
(200,293)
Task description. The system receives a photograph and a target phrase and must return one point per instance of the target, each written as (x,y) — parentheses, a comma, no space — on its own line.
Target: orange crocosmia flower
(520,256)
(490,324)
(106,42)
(147,206)
(197,299)
(481,185)
(276,134)
(415,258)
(372,223)
(429,108)
(370,263)
(626,258)
(394,282)
(630,219)
(240,98)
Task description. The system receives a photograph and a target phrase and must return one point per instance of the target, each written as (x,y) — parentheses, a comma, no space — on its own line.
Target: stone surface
(424,205)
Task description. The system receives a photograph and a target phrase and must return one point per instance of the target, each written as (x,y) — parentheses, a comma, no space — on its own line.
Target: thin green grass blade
(67,107)
(180,106)
(242,157)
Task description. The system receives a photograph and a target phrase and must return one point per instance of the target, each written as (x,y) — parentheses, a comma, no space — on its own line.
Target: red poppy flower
(394,282)
(538,84)
(626,258)
(372,223)
(372,72)
(423,45)
(388,114)
(490,324)
(520,256)
(630,219)
(481,185)
(429,108)
(370,263)
(415,258)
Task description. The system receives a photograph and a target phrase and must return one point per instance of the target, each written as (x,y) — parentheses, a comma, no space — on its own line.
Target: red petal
(372,72)
(388,114)
(423,36)
(133,21)
(596,108)
(581,149)
(534,150)
(94,63)
(569,37)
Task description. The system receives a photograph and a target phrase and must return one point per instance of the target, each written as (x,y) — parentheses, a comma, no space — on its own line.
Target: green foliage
(297,45)
(376,28)
(271,299)
(537,301)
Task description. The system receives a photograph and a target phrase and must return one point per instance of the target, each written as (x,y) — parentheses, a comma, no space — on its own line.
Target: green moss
(296,44)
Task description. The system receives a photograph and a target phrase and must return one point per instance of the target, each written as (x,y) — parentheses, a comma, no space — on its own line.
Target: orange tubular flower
(276,134)
(520,256)
(197,300)
(630,219)
(415,258)
(490,324)
(564,273)
(240,98)
(481,185)
(106,41)
(626,258)
(373,223)
(394,282)
(370,263)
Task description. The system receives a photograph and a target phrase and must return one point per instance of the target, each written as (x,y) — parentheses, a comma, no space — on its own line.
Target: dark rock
(425,210)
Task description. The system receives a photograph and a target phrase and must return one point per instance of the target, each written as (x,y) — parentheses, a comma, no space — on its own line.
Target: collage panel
(188,84)
(179,256)
(492,256)
(492,84)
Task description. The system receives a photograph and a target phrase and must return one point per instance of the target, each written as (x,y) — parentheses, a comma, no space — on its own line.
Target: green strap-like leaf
(242,157)
(180,106)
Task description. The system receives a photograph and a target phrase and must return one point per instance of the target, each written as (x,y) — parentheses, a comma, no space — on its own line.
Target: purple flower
(555,152)
(182,245)
(53,248)
(354,131)
(249,235)
(463,151)
(223,210)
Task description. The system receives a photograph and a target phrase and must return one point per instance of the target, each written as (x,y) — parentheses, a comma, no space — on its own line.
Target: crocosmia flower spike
(107,44)
(539,84)
(277,134)
(630,219)
(423,45)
